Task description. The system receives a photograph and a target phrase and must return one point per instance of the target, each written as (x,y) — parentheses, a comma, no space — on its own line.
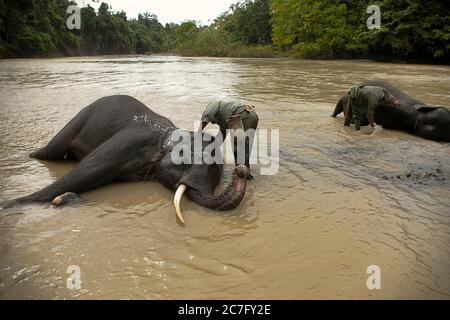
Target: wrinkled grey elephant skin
(119,138)
(413,116)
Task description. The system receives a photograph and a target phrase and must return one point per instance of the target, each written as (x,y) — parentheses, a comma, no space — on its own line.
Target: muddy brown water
(341,201)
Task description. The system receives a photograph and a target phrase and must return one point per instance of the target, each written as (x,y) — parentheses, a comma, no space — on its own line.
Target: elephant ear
(202,177)
(424,108)
(209,175)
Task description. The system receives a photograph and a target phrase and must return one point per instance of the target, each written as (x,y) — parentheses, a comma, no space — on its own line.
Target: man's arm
(202,126)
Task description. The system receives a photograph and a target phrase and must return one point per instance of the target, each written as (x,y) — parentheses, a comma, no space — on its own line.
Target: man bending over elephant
(409,115)
(363,101)
(234,116)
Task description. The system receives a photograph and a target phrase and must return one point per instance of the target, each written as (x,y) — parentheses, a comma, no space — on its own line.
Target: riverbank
(250,29)
(238,51)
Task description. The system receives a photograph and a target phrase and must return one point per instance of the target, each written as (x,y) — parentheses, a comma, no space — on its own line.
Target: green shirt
(366,99)
(220,112)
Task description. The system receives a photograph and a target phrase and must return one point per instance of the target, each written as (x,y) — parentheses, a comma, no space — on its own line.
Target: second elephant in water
(411,115)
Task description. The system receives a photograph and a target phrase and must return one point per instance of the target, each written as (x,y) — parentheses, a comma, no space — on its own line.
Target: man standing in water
(363,101)
(234,116)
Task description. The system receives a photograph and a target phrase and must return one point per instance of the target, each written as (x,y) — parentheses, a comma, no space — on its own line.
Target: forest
(411,30)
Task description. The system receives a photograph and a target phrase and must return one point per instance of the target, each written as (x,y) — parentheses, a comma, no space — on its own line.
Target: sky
(169,10)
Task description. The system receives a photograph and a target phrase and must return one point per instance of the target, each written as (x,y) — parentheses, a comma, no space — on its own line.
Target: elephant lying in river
(429,122)
(119,138)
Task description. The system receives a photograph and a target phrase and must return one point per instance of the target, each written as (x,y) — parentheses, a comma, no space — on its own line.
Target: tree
(312,28)
(247,22)
(411,29)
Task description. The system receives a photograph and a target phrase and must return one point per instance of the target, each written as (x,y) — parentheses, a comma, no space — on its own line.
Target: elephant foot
(7,204)
(68,197)
(37,154)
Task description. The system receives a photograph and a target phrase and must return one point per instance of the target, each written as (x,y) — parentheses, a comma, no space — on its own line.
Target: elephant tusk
(176,201)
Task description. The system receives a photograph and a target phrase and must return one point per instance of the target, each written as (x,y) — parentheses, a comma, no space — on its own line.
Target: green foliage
(206,42)
(253,51)
(411,30)
(249,22)
(31,28)
(243,31)
(185,35)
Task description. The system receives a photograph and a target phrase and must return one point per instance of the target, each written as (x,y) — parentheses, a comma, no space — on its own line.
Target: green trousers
(249,121)
(353,109)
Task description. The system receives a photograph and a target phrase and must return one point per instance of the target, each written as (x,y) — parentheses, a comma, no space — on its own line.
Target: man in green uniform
(232,115)
(363,101)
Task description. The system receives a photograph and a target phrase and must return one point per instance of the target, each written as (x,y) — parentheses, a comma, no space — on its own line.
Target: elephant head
(198,179)
(433,122)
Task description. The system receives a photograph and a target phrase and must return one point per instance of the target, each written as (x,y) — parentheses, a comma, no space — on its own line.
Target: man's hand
(202,126)
(390,101)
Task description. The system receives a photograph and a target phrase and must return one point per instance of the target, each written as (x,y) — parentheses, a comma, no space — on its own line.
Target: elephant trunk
(229,199)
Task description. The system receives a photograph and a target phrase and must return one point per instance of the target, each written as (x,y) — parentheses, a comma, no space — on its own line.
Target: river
(341,201)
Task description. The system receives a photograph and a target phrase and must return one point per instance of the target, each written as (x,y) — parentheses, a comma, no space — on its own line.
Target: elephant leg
(58,147)
(68,197)
(87,175)
(348,114)
(114,158)
(90,173)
